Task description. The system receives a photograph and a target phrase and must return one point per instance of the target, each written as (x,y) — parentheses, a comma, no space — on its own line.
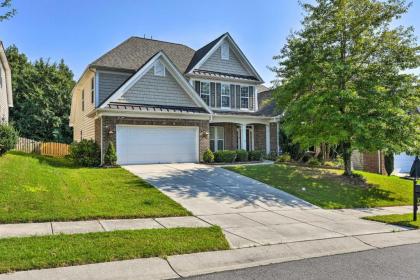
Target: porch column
(243,136)
(267,138)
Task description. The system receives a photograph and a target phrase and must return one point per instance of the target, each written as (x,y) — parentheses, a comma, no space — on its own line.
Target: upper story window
(225,96)
(159,68)
(92,90)
(244,97)
(205,92)
(83,100)
(225,51)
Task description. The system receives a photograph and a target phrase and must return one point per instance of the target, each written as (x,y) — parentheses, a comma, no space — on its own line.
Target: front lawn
(328,189)
(66,250)
(405,220)
(37,188)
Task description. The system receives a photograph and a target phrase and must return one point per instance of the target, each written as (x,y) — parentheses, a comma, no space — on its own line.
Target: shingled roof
(134,52)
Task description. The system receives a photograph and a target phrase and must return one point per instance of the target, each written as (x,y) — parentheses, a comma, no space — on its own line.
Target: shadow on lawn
(51,161)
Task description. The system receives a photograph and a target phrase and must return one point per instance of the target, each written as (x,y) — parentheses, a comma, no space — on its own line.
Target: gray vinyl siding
(157,90)
(4,106)
(217,64)
(109,82)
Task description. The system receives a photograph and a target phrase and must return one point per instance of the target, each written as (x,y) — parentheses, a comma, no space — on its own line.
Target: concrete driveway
(251,213)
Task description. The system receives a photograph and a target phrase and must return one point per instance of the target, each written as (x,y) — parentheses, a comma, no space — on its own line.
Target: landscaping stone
(20,230)
(129,224)
(76,227)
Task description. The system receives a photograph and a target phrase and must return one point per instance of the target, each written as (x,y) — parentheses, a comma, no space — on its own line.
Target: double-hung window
(225,96)
(244,97)
(92,90)
(217,138)
(205,92)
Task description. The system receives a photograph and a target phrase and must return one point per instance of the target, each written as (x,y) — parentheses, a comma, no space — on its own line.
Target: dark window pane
(219,145)
(212,145)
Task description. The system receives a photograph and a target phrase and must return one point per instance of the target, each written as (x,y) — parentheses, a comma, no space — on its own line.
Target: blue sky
(80,31)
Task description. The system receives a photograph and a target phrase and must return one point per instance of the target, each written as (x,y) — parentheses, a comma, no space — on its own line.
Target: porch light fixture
(204,134)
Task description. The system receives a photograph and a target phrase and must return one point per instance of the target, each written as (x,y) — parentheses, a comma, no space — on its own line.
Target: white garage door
(403,163)
(156,144)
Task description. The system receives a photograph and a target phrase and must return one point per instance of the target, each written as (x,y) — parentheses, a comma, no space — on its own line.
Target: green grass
(328,189)
(66,250)
(36,188)
(398,219)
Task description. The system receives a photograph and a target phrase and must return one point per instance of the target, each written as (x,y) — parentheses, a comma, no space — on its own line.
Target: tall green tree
(343,79)
(6,10)
(41,95)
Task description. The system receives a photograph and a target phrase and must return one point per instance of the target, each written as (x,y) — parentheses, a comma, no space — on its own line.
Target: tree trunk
(347,158)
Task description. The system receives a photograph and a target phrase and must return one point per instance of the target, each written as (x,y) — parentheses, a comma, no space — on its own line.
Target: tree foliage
(6,10)
(343,78)
(41,96)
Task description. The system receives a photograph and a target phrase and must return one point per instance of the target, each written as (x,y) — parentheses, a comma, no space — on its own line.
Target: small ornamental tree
(110,158)
(8,138)
(343,79)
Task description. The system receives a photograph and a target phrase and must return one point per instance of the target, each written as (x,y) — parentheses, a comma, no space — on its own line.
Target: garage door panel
(146,144)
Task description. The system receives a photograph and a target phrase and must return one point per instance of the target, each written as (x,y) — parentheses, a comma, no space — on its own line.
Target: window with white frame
(225,96)
(244,97)
(217,138)
(225,51)
(205,92)
(159,68)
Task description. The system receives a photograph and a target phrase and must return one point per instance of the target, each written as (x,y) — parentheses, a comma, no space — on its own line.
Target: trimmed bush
(208,156)
(85,153)
(284,158)
(272,156)
(8,138)
(225,156)
(241,155)
(110,158)
(314,162)
(256,155)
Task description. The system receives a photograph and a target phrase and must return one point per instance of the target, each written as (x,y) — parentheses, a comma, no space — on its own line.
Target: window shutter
(251,98)
(197,87)
(238,96)
(212,94)
(232,96)
(218,95)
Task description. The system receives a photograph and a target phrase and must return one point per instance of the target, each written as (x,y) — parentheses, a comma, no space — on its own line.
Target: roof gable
(172,71)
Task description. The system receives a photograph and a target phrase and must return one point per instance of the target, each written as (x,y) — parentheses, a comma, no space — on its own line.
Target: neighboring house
(164,102)
(6,99)
(375,162)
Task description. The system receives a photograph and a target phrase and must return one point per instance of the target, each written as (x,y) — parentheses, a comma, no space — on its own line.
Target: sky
(81,31)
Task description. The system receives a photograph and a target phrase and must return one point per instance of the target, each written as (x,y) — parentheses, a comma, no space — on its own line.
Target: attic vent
(225,51)
(159,68)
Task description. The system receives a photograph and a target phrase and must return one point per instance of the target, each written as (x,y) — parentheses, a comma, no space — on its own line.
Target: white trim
(102,143)
(226,95)
(159,115)
(240,98)
(277,137)
(158,63)
(267,139)
(208,94)
(215,47)
(173,70)
(96,89)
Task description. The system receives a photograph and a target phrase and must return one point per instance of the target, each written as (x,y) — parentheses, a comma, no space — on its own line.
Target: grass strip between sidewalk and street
(77,249)
(405,220)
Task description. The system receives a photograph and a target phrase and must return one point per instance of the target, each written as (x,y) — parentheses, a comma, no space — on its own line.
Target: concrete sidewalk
(208,262)
(32,229)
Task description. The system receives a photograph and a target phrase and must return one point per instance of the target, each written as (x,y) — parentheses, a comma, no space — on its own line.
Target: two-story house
(165,102)
(6,99)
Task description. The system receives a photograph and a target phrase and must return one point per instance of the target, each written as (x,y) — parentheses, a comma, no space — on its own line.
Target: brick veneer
(273,137)
(109,124)
(259,137)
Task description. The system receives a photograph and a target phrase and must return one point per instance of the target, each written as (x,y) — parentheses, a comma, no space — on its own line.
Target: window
(225,51)
(225,96)
(244,98)
(217,138)
(83,100)
(159,68)
(92,90)
(205,92)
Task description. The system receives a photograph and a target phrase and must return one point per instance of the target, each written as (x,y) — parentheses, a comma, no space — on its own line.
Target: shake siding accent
(4,107)
(212,94)
(251,98)
(157,90)
(218,95)
(109,82)
(81,121)
(232,66)
(232,96)
(238,97)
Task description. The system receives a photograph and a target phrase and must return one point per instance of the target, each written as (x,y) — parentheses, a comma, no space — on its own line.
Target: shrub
(110,157)
(208,156)
(8,138)
(256,155)
(241,155)
(284,158)
(272,156)
(85,153)
(225,156)
(314,162)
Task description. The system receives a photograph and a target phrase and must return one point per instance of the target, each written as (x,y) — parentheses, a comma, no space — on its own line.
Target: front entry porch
(244,136)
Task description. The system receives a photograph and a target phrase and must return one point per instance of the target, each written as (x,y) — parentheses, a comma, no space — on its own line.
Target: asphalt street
(402,262)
